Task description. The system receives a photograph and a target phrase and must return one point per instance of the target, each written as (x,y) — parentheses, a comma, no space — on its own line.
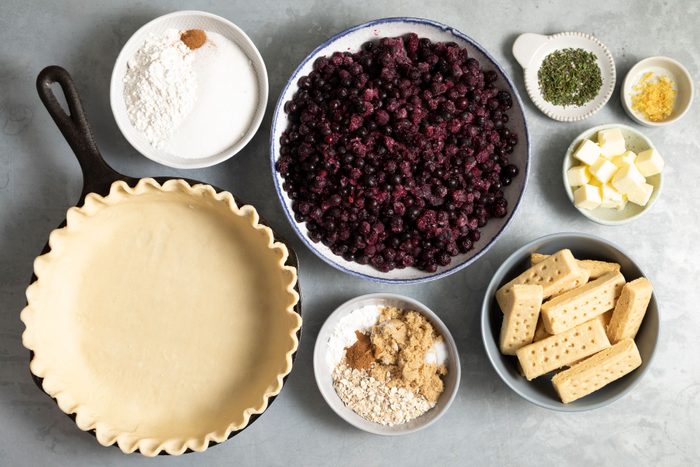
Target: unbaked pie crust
(162,316)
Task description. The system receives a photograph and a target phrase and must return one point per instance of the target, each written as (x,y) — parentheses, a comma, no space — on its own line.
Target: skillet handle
(97,175)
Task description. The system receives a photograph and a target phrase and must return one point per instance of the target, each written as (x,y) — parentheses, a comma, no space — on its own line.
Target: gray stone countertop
(657,424)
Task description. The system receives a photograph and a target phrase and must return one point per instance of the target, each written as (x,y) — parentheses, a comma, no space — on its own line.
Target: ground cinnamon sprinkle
(359,355)
(193,38)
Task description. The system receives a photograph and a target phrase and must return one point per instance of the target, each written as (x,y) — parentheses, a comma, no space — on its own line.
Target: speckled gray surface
(658,424)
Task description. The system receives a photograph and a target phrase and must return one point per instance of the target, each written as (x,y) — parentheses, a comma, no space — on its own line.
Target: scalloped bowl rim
(561,114)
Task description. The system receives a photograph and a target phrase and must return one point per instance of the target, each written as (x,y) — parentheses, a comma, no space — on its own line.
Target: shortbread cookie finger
(557,273)
(598,268)
(537,258)
(595,268)
(582,304)
(520,317)
(540,331)
(630,310)
(562,349)
(597,371)
(604,320)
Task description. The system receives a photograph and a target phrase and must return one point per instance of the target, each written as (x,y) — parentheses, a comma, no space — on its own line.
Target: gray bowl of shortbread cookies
(570,322)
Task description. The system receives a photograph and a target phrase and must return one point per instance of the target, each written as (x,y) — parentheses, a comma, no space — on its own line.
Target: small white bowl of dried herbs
(569,76)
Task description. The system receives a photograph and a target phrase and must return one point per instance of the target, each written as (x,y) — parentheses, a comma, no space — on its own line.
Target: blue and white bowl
(351,40)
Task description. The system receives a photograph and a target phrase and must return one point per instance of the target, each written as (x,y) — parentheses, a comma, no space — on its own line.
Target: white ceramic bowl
(183,20)
(660,66)
(323,370)
(636,142)
(530,50)
(540,390)
(351,40)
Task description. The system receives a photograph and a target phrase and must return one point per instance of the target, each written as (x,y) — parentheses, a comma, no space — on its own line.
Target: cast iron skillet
(98,177)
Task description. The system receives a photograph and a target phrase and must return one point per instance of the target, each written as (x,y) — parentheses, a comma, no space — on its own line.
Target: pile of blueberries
(395,156)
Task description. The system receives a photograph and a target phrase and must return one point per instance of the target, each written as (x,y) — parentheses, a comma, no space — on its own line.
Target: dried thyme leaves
(569,77)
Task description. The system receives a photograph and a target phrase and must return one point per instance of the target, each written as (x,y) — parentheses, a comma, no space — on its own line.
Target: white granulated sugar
(227,99)
(437,353)
(160,86)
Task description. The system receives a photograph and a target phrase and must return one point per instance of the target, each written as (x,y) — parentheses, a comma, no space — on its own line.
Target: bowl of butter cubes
(612,174)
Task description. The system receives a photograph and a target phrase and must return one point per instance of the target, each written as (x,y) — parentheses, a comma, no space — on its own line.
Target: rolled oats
(373,400)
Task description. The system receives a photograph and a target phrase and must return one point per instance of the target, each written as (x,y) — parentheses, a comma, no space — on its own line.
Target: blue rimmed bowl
(351,40)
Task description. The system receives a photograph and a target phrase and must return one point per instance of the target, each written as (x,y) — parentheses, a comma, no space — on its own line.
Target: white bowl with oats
(386,364)
(189,89)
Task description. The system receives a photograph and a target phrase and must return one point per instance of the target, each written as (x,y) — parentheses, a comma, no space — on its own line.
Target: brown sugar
(193,38)
(400,341)
(359,355)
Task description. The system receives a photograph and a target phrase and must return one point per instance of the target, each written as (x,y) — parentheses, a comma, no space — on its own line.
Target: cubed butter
(578,175)
(588,152)
(611,198)
(595,182)
(627,179)
(587,197)
(641,194)
(649,162)
(628,157)
(603,170)
(623,203)
(611,142)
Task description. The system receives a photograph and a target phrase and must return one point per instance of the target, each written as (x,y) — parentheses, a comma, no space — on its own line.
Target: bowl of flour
(189,89)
